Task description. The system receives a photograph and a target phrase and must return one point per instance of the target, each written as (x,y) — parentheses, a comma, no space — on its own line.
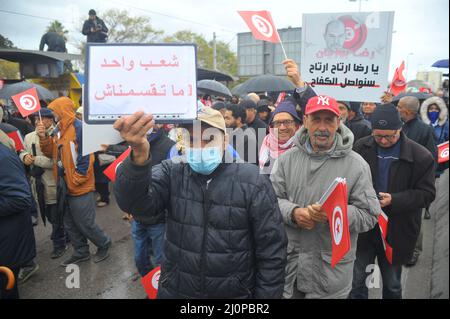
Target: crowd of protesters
(228,205)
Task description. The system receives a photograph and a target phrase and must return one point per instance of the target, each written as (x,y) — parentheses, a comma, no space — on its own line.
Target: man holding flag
(300,177)
(403,176)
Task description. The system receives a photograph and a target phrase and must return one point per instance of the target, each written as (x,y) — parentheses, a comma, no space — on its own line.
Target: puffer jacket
(300,177)
(224,232)
(67,137)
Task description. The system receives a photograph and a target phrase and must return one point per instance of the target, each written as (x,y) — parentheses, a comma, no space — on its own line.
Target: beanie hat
(386,117)
(286,107)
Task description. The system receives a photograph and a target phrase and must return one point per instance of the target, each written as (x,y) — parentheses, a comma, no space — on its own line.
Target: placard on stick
(155,78)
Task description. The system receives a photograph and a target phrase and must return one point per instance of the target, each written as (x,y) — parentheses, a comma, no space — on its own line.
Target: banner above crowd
(346,55)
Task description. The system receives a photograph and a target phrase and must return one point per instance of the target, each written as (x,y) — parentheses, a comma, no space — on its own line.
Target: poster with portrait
(346,55)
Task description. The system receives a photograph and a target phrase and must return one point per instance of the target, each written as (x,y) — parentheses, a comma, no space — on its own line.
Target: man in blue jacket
(17,243)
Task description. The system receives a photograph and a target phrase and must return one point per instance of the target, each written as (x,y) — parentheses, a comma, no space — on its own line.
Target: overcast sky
(421,27)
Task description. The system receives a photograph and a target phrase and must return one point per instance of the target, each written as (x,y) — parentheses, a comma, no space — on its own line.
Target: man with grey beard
(301,175)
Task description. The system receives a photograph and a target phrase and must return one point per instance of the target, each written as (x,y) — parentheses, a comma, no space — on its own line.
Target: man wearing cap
(40,168)
(300,176)
(264,110)
(95,29)
(351,116)
(403,176)
(224,231)
(283,125)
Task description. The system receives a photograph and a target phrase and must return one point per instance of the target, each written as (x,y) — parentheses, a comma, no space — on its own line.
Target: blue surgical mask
(433,116)
(204,160)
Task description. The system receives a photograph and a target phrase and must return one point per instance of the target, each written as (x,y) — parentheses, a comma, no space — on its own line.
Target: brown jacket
(79,171)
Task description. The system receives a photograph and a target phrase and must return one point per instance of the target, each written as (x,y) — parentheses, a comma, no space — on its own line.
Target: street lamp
(407,64)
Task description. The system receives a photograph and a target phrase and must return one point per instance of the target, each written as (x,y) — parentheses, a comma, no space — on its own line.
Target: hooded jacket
(67,137)
(300,177)
(441,129)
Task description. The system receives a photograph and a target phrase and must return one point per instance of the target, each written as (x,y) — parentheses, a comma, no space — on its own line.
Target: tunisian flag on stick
(398,83)
(151,281)
(383,221)
(443,152)
(261,25)
(111,170)
(27,102)
(335,205)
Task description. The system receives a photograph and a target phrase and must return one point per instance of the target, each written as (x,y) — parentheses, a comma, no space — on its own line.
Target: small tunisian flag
(335,205)
(398,83)
(17,138)
(151,281)
(27,102)
(261,25)
(111,170)
(443,152)
(383,221)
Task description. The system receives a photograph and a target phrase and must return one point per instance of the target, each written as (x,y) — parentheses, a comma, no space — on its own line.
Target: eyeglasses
(387,137)
(286,123)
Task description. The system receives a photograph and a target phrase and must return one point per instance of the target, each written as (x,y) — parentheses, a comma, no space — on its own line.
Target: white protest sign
(155,78)
(346,55)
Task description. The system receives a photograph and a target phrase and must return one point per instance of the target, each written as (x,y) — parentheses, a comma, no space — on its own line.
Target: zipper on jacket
(205,232)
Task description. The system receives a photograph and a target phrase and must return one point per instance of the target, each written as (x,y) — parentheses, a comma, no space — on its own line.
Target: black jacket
(17,243)
(225,236)
(359,126)
(411,184)
(160,146)
(96,36)
(422,134)
(54,42)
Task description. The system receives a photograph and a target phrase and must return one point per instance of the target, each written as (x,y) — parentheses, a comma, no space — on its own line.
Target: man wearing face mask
(224,231)
(300,176)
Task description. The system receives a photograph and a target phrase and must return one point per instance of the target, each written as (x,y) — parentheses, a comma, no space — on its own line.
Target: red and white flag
(111,170)
(383,222)
(261,25)
(398,83)
(27,102)
(151,282)
(17,138)
(335,205)
(443,152)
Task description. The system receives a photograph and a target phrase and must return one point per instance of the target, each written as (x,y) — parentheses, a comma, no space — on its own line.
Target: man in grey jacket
(322,152)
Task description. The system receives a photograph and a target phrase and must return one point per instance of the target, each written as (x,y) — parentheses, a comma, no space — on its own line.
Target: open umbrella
(420,95)
(212,87)
(441,64)
(9,90)
(265,83)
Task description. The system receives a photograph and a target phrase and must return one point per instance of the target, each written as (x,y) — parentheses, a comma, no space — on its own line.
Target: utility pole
(214,52)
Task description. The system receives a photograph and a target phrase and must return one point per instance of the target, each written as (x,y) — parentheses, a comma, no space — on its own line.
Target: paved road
(116,277)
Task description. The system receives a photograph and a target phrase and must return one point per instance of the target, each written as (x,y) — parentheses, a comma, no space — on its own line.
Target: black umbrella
(265,83)
(9,90)
(420,95)
(212,87)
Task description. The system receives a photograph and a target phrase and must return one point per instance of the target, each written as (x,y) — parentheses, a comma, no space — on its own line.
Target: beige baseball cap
(211,117)
(80,110)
